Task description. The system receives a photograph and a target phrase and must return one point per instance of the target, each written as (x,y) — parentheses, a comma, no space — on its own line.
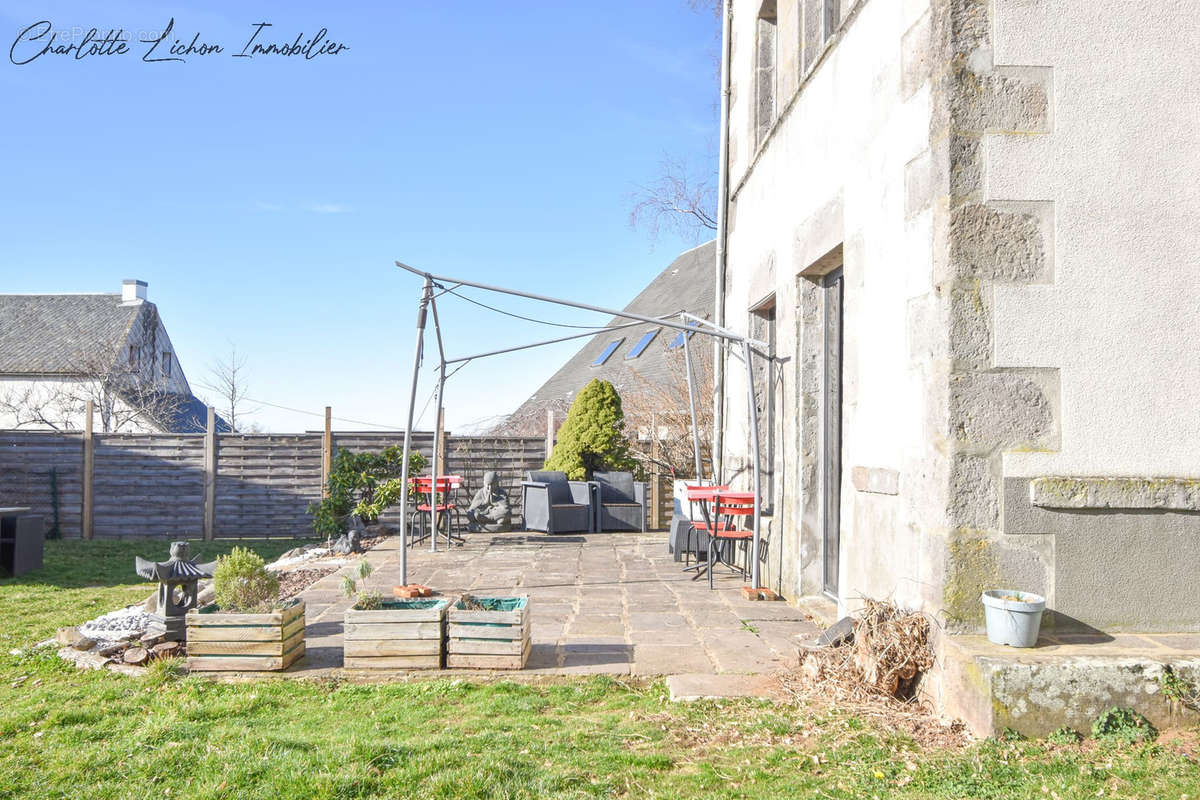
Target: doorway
(832,286)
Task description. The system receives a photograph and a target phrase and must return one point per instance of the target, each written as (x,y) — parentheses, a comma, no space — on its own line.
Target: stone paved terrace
(613,603)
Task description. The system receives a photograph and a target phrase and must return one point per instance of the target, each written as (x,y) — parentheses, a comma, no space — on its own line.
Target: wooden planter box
(404,634)
(221,642)
(497,638)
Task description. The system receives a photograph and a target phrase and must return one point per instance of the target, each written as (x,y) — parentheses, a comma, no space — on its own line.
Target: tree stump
(136,656)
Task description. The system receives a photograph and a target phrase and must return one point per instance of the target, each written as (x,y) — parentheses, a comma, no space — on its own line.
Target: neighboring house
(59,351)
(968,228)
(645,363)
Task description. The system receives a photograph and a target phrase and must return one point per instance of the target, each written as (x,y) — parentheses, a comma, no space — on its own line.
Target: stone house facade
(966,229)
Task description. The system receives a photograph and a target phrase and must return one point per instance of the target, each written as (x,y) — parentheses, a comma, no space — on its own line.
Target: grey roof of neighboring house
(65,334)
(52,334)
(687,284)
(189,414)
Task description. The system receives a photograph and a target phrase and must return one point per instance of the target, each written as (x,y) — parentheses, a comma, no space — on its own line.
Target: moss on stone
(1179,494)
(970,569)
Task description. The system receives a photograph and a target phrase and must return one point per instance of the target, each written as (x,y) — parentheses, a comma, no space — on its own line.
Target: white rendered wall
(834,172)
(1122,169)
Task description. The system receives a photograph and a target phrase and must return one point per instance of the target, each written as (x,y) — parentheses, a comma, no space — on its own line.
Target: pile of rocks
(119,636)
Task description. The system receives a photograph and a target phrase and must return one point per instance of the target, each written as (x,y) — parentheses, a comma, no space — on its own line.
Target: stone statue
(489,510)
(351,541)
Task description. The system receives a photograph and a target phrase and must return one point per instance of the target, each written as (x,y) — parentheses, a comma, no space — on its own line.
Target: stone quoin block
(974,497)
(915,57)
(970,327)
(998,409)
(992,244)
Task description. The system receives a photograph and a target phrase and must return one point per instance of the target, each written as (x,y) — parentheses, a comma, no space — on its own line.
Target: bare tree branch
(124,391)
(662,407)
(229,382)
(677,200)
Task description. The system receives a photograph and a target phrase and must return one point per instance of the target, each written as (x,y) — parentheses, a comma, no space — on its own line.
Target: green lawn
(99,735)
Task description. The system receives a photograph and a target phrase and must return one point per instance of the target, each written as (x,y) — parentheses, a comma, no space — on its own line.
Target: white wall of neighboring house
(62,399)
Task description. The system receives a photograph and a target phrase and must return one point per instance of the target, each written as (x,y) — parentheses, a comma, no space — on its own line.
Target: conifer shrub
(593,435)
(242,584)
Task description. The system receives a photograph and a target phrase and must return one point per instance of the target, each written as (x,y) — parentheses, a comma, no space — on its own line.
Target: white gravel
(124,623)
(307,555)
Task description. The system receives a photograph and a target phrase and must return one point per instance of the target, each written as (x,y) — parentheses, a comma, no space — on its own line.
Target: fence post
(88,477)
(326,453)
(549,433)
(655,481)
(210,475)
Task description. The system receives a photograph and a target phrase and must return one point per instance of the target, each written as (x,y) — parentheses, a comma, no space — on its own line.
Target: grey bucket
(1013,622)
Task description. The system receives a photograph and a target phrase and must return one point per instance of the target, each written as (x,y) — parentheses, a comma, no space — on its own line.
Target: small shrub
(362,483)
(1177,688)
(1123,725)
(1065,735)
(241,583)
(363,600)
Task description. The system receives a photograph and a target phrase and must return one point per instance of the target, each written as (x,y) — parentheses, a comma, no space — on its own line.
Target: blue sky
(265,199)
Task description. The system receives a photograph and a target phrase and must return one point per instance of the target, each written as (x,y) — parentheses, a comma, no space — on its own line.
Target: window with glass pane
(642,344)
(608,351)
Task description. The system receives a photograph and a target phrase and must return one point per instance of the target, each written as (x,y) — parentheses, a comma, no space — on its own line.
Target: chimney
(133,292)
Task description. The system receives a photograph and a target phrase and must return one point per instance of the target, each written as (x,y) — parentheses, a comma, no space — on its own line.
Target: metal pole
(718,396)
(437,443)
(754,582)
(595,332)
(571,303)
(687,364)
(426,294)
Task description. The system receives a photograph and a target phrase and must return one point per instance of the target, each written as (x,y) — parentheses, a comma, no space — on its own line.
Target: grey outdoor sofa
(619,501)
(553,504)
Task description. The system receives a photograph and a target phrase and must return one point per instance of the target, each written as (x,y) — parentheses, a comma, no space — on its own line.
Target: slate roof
(51,334)
(57,334)
(686,285)
(189,414)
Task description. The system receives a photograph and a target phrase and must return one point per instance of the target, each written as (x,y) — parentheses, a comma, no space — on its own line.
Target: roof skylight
(677,342)
(608,351)
(642,344)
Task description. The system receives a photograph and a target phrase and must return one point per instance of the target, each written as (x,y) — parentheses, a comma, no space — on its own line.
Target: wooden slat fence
(152,485)
(26,461)
(149,486)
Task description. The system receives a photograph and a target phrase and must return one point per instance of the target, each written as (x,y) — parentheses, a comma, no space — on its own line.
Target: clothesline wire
(521,317)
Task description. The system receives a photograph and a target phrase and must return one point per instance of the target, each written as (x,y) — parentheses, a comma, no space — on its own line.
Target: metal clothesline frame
(688,323)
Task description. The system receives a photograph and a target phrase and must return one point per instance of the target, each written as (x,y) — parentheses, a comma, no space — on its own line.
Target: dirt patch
(292,582)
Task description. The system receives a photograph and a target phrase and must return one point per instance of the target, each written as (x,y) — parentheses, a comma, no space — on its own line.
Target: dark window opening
(767,387)
(764,70)
(833,16)
(166,363)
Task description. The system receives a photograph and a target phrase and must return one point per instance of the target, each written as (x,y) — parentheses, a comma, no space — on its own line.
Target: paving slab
(610,603)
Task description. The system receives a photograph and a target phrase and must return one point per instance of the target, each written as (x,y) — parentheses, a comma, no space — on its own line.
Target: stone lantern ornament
(177,579)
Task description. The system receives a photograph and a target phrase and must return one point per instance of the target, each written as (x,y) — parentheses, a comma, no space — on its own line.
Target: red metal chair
(729,505)
(447,507)
(703,496)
